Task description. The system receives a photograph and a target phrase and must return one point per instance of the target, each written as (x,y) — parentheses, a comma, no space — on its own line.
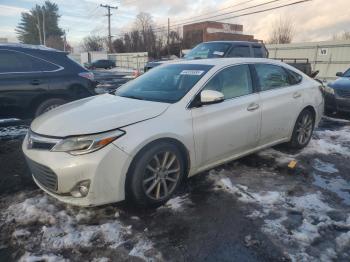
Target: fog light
(81,189)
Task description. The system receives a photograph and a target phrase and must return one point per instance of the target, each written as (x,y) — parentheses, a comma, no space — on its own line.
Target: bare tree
(143,22)
(93,43)
(343,36)
(282,32)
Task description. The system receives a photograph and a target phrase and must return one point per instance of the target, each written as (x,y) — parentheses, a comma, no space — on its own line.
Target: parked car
(220,49)
(338,94)
(102,63)
(35,79)
(175,121)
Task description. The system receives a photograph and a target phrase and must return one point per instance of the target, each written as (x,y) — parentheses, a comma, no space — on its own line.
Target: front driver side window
(233,82)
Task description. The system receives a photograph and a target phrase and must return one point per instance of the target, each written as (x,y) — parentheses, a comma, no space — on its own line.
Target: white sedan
(177,120)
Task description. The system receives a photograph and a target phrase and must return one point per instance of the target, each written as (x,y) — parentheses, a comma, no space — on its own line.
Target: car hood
(341,83)
(95,114)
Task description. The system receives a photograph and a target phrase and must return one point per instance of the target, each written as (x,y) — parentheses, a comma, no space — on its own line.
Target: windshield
(347,73)
(208,50)
(167,83)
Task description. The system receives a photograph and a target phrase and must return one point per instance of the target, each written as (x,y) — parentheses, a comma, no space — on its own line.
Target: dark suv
(35,79)
(102,63)
(221,49)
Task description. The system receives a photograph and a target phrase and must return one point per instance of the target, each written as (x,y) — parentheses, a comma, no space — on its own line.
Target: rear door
(231,127)
(281,102)
(21,80)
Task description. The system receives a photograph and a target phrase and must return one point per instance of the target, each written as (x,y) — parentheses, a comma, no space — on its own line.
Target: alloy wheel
(161,175)
(304,129)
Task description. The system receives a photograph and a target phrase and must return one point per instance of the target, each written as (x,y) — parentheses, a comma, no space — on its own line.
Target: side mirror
(339,74)
(211,97)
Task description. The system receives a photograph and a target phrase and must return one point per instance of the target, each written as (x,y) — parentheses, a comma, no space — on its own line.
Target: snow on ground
(177,203)
(7,120)
(46,228)
(305,222)
(294,222)
(13,132)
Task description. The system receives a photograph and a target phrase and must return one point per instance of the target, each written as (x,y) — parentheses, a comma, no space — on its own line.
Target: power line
(219,10)
(245,14)
(227,13)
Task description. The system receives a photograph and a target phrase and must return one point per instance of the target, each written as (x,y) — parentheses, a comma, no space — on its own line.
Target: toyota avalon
(175,121)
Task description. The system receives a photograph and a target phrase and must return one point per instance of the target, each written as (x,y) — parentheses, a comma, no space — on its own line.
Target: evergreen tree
(30,29)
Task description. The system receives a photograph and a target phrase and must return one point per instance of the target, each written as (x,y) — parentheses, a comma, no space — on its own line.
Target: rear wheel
(48,105)
(155,175)
(303,129)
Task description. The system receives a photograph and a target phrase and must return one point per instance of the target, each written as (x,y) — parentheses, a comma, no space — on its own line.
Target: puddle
(336,185)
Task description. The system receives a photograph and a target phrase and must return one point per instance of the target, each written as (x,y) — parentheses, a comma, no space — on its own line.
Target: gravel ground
(253,209)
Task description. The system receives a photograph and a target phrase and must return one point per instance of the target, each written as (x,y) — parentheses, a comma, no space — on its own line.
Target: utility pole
(109,24)
(168,41)
(44,31)
(38,26)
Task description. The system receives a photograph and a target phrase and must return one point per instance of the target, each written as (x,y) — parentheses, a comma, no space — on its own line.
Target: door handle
(35,82)
(253,107)
(296,95)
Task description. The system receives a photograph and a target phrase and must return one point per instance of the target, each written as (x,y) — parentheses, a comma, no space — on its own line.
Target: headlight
(329,90)
(80,145)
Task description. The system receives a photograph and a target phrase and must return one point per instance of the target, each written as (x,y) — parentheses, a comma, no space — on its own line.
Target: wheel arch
(183,149)
(42,98)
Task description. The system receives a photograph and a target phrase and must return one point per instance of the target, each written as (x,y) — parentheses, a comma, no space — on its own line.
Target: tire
(49,104)
(303,130)
(147,175)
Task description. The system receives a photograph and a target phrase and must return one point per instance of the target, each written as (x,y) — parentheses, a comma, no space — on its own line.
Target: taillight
(87,75)
(136,73)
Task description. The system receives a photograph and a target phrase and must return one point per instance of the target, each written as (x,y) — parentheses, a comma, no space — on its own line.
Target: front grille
(41,142)
(44,175)
(343,93)
(42,145)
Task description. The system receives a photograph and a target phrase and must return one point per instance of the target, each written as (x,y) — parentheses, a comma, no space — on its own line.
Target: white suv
(176,120)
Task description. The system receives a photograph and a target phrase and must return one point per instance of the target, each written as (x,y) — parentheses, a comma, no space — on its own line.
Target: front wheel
(155,175)
(303,129)
(48,105)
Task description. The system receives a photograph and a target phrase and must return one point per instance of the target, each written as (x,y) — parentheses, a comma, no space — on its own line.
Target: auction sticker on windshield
(192,72)
(218,53)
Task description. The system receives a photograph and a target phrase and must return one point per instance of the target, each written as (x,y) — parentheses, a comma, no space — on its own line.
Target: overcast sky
(314,21)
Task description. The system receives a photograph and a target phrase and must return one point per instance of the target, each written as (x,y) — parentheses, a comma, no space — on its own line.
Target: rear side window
(18,62)
(233,82)
(294,78)
(258,51)
(239,51)
(271,76)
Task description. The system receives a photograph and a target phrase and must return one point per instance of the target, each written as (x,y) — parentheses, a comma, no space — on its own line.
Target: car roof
(18,47)
(234,42)
(221,62)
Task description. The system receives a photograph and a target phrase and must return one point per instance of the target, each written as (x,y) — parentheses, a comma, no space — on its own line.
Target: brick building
(194,34)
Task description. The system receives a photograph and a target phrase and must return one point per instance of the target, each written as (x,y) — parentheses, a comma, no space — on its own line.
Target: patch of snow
(324,167)
(177,203)
(337,185)
(140,249)
(343,241)
(101,259)
(322,146)
(62,227)
(28,257)
(310,203)
(13,131)
(6,120)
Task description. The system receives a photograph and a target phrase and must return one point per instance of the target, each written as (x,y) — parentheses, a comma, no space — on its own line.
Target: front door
(231,127)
